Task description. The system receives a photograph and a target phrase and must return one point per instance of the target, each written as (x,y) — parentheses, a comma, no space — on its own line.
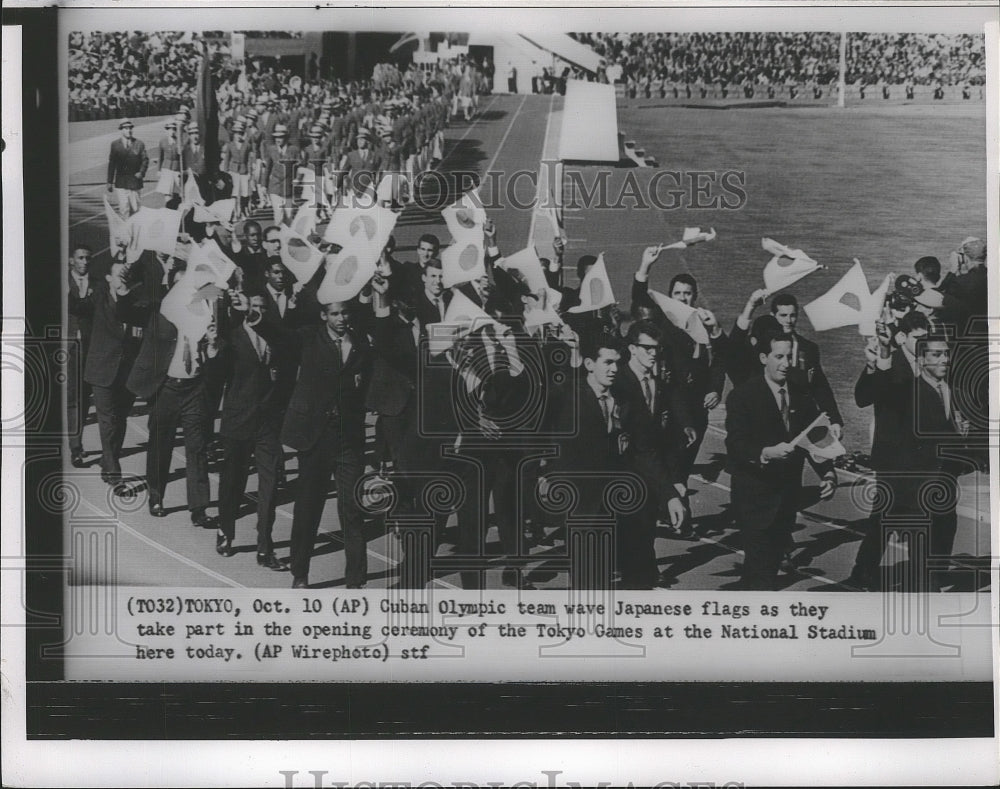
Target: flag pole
(804,433)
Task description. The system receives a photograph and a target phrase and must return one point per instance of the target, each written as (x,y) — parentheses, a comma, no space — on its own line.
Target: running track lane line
(496,154)
(538,186)
(98,216)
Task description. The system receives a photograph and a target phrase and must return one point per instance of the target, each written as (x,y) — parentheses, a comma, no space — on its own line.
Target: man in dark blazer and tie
(765,414)
(325,424)
(127,165)
(611,444)
(917,423)
(80,310)
(252,413)
(116,335)
(432,301)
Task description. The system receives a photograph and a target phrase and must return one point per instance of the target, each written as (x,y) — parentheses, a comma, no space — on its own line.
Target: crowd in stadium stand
(916,58)
(651,63)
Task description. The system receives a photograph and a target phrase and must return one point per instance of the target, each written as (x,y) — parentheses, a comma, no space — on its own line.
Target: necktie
(440,305)
(281,304)
(647,391)
(943,394)
(188,363)
(339,345)
(606,410)
(785,414)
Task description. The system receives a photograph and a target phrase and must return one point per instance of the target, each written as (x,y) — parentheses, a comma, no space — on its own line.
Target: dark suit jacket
(280,169)
(394,372)
(810,373)
(887,392)
(326,387)
(753,421)
(251,394)
(159,340)
(112,349)
(660,425)
(427,312)
(81,311)
(127,168)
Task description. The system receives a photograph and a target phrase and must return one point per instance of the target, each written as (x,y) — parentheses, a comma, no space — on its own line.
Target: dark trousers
(343,457)
(178,402)
(77,396)
(266,451)
(929,533)
(764,543)
(113,405)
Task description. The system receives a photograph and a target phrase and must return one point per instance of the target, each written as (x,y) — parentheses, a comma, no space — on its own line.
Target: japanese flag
(873,310)
(526,266)
(787,265)
(462,316)
(463,261)
(347,273)
(595,290)
(819,441)
(845,304)
(304,223)
(299,256)
(466,216)
(156,229)
(370,226)
(682,316)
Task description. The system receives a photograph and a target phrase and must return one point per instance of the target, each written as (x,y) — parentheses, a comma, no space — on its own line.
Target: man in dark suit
(666,409)
(915,417)
(432,301)
(251,424)
(168,373)
(361,167)
(193,154)
(78,334)
(611,444)
(325,423)
(127,164)
(252,257)
(116,335)
(764,414)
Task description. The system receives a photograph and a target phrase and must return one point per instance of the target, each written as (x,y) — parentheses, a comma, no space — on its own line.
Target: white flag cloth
(694,235)
(845,304)
(156,229)
(220,211)
(465,217)
(188,304)
(352,224)
(304,223)
(462,316)
(192,194)
(463,261)
(526,266)
(873,310)
(120,233)
(348,272)
(682,316)
(786,267)
(595,290)
(299,256)
(541,311)
(819,441)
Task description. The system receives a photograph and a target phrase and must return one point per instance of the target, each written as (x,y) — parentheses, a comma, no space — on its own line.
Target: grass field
(885,185)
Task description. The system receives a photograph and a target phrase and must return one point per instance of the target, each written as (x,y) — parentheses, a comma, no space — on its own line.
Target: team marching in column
(539,391)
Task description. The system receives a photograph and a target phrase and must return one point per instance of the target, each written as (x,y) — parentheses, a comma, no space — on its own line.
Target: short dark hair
(646,327)
(249,224)
(269,228)
(594,342)
(913,321)
(390,244)
(767,338)
(685,279)
(784,300)
(433,263)
(74,248)
(430,238)
(584,263)
(929,268)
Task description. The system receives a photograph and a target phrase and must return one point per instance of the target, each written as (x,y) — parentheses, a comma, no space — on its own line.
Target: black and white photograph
(578,347)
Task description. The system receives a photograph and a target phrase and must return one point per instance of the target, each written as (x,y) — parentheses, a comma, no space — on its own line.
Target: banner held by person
(786,267)
(845,304)
(595,290)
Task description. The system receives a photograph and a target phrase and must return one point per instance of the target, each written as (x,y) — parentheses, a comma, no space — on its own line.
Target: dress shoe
(300,583)
(224,546)
(156,509)
(76,458)
(200,519)
(271,562)
(111,477)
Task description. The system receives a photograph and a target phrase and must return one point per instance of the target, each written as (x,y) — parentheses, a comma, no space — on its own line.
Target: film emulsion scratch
(454,345)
